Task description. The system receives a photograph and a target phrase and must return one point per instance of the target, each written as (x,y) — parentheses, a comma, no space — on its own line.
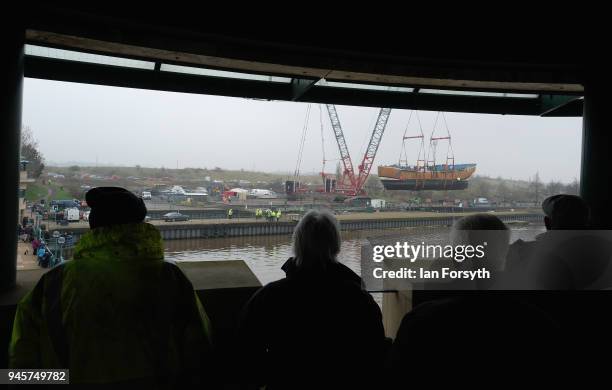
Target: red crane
(350,183)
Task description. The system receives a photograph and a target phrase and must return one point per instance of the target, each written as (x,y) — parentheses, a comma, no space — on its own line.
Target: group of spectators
(25,231)
(118,313)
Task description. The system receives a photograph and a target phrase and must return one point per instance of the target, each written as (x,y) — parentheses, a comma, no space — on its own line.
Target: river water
(266,254)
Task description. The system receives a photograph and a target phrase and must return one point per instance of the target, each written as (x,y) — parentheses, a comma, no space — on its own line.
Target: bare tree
(482,188)
(373,185)
(573,188)
(502,191)
(536,187)
(554,188)
(30,152)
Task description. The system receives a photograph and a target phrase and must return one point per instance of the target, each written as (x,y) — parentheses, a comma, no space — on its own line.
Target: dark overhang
(85,67)
(153,53)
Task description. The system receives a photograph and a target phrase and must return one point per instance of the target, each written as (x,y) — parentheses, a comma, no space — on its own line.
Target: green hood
(138,241)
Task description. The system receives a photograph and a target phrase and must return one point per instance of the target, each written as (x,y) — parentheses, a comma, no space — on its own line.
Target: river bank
(216,228)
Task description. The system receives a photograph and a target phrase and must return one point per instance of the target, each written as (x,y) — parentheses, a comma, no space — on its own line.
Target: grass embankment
(37,191)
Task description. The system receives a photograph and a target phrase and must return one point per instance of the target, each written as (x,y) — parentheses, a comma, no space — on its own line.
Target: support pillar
(12,49)
(596,170)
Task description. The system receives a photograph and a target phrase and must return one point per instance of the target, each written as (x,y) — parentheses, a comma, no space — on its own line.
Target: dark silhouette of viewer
(317,325)
(467,326)
(116,313)
(568,256)
(561,212)
(481,229)
(483,331)
(565,212)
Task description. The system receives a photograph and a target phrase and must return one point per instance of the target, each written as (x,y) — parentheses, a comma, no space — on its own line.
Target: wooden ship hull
(440,177)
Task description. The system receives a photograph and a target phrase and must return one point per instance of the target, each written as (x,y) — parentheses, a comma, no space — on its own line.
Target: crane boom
(347,163)
(355,183)
(370,154)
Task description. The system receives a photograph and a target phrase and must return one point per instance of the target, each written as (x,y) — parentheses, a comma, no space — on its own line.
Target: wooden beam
(82,72)
(232,64)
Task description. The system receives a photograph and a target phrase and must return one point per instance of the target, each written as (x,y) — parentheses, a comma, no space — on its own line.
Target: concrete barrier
(241,228)
(223,287)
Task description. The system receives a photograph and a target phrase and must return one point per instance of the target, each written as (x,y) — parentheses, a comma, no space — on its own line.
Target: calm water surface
(266,254)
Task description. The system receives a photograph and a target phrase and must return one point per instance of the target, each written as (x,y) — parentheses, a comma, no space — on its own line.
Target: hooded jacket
(117,313)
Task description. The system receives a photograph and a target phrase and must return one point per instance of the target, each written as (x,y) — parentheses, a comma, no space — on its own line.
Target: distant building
(23,186)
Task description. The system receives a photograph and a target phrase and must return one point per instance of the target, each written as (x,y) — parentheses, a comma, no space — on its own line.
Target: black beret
(564,204)
(114,206)
(566,211)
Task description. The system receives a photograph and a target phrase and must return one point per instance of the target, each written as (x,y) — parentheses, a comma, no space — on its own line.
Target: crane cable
(325,160)
(322,139)
(298,164)
(403,150)
(434,143)
(422,147)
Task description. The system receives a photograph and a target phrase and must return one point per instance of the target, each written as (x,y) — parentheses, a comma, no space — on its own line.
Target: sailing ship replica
(426,174)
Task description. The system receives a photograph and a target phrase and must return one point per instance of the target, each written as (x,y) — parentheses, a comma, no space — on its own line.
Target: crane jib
(356,183)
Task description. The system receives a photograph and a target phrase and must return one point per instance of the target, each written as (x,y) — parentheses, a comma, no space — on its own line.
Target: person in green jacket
(117,313)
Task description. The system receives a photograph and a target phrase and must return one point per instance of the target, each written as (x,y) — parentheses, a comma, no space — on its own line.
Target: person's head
(114,206)
(565,212)
(316,240)
(476,229)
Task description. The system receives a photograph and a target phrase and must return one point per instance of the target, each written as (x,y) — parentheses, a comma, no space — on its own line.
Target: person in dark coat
(564,216)
(317,325)
(488,331)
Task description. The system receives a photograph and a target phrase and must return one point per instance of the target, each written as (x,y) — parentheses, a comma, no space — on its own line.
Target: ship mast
(449,164)
(420,162)
(433,145)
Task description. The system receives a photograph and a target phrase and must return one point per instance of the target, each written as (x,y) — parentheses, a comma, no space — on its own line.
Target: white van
(146,195)
(263,194)
(72,214)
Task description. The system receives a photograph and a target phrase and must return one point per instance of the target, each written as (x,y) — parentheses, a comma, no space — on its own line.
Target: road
(286,218)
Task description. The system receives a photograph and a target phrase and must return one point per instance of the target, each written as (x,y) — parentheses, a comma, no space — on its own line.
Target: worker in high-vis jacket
(117,313)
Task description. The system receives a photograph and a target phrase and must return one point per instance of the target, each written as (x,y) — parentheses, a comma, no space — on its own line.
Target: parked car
(175,216)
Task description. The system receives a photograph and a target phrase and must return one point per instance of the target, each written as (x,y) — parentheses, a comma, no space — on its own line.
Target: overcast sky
(120,126)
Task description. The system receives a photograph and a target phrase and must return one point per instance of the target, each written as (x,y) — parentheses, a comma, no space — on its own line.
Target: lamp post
(56,236)
(61,241)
